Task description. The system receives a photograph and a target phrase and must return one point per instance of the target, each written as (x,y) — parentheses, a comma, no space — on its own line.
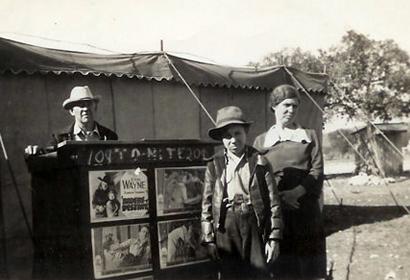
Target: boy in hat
(82,105)
(241,217)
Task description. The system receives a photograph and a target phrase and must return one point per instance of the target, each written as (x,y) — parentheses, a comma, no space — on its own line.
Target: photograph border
(94,220)
(161,264)
(150,269)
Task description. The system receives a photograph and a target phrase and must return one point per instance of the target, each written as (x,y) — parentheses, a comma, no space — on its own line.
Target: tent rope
(338,90)
(19,197)
(190,89)
(59,41)
(299,84)
(338,200)
(321,110)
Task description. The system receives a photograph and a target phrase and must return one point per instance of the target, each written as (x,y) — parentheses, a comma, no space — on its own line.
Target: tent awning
(17,57)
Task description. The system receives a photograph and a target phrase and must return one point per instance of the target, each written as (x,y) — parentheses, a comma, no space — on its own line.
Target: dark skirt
(303,247)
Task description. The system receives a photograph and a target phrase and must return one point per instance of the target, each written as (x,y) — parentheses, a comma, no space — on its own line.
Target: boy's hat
(227,116)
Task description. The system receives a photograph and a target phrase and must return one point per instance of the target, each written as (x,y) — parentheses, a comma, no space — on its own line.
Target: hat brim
(216,133)
(69,103)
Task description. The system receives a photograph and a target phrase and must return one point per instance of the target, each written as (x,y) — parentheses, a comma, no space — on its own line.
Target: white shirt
(81,135)
(276,134)
(237,175)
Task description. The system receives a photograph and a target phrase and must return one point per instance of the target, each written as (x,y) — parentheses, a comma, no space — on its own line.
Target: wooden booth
(142,96)
(119,210)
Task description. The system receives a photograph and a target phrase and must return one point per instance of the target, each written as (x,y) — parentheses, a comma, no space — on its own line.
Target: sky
(228,32)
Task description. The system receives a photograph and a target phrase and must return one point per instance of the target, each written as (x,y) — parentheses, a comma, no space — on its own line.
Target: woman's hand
(213,251)
(272,250)
(292,196)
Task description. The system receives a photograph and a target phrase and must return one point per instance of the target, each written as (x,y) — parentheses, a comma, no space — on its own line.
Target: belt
(239,204)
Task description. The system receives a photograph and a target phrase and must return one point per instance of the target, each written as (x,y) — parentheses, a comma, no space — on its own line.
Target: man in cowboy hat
(241,219)
(82,105)
(100,196)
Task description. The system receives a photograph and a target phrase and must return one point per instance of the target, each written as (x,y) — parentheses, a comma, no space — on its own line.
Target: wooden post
(3,256)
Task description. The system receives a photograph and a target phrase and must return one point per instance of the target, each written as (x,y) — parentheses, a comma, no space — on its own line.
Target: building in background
(382,158)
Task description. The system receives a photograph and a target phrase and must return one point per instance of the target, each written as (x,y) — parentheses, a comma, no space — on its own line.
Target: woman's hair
(281,93)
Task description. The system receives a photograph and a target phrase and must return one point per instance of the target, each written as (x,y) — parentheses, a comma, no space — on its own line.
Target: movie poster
(118,194)
(179,189)
(121,250)
(179,243)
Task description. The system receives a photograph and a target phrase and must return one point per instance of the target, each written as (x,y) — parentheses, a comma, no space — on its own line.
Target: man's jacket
(263,195)
(67,134)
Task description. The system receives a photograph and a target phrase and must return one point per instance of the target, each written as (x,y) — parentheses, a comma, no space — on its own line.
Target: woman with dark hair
(113,205)
(295,157)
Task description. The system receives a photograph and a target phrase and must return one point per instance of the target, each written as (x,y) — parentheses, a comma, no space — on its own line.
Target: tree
(372,78)
(369,75)
(297,58)
(368,79)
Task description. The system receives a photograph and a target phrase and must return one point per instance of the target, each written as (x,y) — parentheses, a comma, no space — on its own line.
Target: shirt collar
(234,158)
(77,130)
(275,135)
(234,163)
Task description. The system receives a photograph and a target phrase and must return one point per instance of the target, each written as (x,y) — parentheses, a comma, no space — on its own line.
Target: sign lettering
(128,155)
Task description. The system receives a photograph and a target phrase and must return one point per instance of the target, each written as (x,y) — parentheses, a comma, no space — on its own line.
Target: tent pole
(14,181)
(190,89)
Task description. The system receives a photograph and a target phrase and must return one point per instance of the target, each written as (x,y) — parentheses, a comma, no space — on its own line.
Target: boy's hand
(272,250)
(213,251)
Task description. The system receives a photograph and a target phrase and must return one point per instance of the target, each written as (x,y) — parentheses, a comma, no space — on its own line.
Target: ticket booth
(120,210)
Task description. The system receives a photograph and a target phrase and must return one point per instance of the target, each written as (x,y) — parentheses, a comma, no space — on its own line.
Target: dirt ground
(368,236)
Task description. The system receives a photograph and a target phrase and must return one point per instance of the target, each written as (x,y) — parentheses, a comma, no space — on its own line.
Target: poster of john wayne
(118,194)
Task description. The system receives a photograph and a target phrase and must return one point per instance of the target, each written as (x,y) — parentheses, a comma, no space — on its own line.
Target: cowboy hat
(79,93)
(106,179)
(224,117)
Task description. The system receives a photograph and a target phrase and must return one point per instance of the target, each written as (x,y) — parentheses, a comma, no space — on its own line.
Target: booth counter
(120,210)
